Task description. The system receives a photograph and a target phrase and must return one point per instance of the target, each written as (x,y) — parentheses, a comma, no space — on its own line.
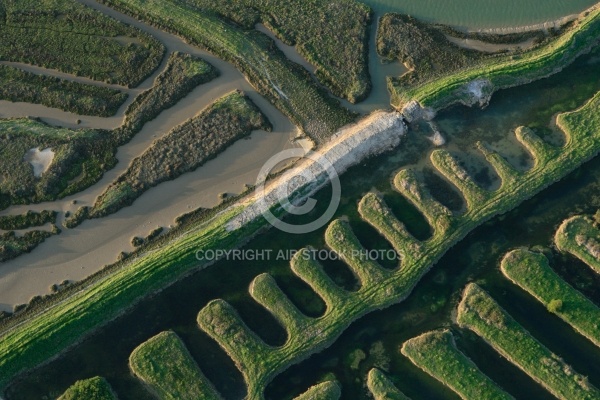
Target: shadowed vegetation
(89,389)
(27,220)
(22,86)
(447,74)
(72,38)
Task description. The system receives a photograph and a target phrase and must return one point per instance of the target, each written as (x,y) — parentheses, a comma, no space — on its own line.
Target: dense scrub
(182,74)
(331,35)
(82,156)
(421,47)
(286,84)
(72,38)
(12,246)
(27,220)
(183,149)
(89,389)
(18,85)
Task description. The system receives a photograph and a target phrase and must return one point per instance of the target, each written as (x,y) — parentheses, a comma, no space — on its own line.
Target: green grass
(72,38)
(89,389)
(507,71)
(287,85)
(316,27)
(533,274)
(21,86)
(481,314)
(166,367)
(436,353)
(580,237)
(379,287)
(27,220)
(225,121)
(382,388)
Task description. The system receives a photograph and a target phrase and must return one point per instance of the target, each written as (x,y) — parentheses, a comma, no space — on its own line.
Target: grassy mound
(89,389)
(329,390)
(12,246)
(316,27)
(382,388)
(580,237)
(169,371)
(481,314)
(436,353)
(72,38)
(533,274)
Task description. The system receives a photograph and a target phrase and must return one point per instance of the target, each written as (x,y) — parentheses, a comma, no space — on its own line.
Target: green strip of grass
(436,353)
(169,371)
(72,38)
(382,388)
(533,274)
(508,71)
(580,237)
(287,85)
(18,85)
(89,389)
(480,313)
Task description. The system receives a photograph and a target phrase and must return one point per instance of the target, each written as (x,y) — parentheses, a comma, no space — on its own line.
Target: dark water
(379,335)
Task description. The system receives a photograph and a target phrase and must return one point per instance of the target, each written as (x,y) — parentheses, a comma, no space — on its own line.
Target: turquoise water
(483,13)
